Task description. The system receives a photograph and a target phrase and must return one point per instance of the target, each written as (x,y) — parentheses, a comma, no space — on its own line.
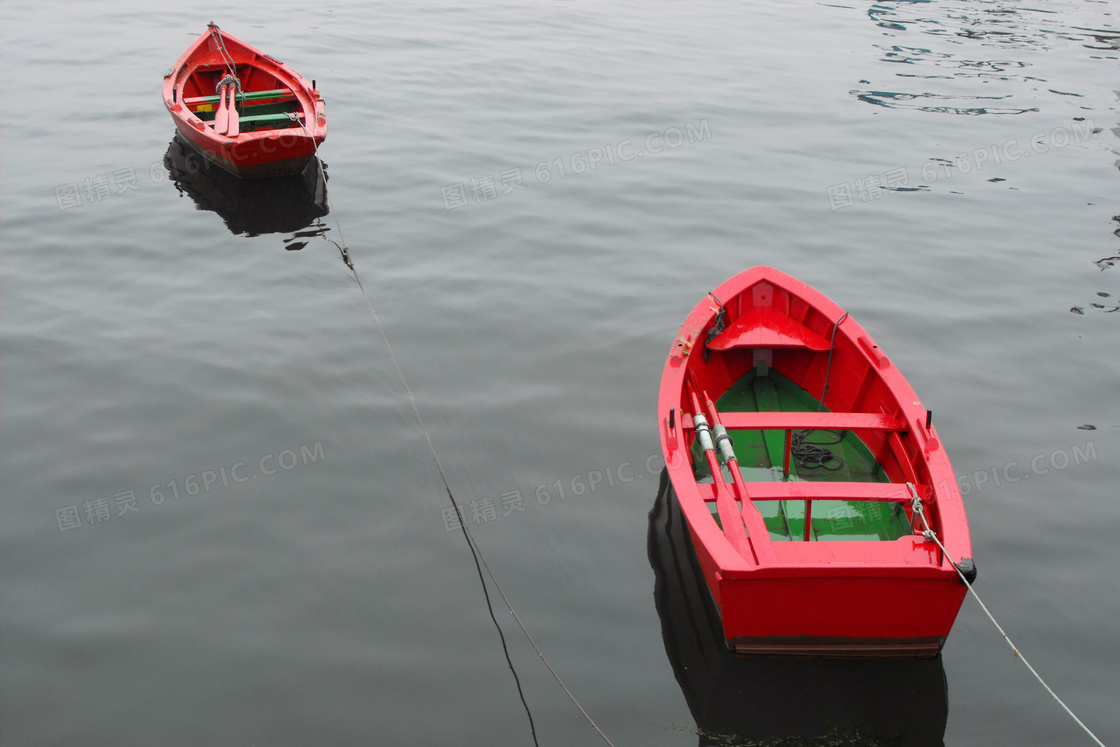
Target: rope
(812,454)
(217,34)
(472,543)
(475,553)
(828,369)
(718,326)
(232,80)
(930,535)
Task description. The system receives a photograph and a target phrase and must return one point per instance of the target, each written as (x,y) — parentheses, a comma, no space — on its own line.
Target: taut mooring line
(479,559)
(929,534)
(475,552)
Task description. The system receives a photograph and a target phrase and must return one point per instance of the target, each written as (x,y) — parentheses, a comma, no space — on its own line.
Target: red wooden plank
(829,491)
(836,421)
(823,491)
(903,458)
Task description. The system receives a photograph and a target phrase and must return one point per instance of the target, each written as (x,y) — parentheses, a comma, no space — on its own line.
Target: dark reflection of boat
(251,207)
(779,701)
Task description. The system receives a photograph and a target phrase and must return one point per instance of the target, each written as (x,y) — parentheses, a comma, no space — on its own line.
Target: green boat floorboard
(761,455)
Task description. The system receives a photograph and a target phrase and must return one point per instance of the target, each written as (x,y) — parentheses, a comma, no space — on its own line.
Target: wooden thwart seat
(891,492)
(880,492)
(246,96)
(799,421)
(280,117)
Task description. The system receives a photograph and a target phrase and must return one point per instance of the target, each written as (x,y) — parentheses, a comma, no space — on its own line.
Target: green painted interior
(761,456)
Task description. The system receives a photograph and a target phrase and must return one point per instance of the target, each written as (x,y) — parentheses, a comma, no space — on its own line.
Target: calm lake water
(221,521)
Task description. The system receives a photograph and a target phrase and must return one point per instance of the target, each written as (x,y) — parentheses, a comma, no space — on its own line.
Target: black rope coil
(813,454)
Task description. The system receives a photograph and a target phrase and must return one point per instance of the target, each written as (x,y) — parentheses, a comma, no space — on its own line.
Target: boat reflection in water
(251,207)
(770,700)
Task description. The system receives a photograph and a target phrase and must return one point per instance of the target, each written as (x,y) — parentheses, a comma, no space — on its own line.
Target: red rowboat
(252,115)
(808,517)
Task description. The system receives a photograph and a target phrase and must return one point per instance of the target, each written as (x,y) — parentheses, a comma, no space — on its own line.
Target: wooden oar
(221,119)
(756,526)
(730,520)
(234,124)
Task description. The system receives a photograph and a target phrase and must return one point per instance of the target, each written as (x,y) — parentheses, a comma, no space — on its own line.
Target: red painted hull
(861,598)
(280,142)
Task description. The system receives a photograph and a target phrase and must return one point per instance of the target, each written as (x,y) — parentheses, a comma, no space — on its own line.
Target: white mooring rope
(929,534)
(475,549)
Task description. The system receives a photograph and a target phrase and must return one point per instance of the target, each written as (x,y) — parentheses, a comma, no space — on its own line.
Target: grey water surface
(221,522)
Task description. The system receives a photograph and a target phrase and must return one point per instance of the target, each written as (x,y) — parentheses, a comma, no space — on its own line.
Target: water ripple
(898,100)
(954,42)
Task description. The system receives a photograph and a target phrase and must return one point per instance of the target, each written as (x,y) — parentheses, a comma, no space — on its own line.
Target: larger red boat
(252,115)
(813,483)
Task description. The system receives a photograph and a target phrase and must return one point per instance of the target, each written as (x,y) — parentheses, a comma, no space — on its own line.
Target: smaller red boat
(250,114)
(811,479)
